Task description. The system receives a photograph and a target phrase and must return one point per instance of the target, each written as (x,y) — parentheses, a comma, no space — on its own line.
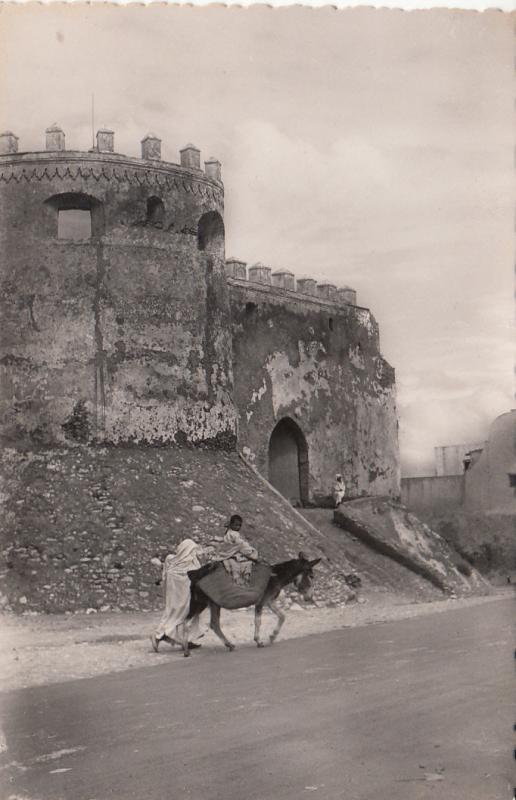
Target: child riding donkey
(236,554)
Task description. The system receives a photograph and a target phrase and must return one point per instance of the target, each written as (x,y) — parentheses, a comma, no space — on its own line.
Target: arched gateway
(288,461)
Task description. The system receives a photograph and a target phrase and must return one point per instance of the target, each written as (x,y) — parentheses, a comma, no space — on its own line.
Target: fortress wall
(434,492)
(317,363)
(124,335)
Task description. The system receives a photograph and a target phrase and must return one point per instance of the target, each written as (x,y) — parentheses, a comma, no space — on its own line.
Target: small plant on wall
(77,426)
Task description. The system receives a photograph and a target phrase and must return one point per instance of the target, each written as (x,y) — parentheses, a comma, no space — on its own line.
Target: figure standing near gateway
(339,490)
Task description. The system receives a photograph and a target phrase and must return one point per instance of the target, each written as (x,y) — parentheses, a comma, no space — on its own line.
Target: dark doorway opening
(210,234)
(288,461)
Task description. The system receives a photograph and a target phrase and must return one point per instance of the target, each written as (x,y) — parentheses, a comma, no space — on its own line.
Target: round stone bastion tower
(116,324)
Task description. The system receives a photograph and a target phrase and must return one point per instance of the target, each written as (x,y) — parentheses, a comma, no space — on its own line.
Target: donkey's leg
(198,602)
(257,624)
(215,626)
(281,619)
(186,631)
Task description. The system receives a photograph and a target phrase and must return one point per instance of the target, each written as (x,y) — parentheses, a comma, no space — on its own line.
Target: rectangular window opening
(74,224)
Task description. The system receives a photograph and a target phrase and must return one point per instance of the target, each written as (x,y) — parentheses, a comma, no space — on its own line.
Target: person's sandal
(155,642)
(193,646)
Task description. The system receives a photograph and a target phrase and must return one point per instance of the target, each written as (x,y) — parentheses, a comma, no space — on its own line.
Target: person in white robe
(339,490)
(177,595)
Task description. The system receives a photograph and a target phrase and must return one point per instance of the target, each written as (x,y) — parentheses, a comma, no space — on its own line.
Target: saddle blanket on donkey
(218,585)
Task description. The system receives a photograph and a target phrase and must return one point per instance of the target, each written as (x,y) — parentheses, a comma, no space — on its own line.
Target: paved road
(399,711)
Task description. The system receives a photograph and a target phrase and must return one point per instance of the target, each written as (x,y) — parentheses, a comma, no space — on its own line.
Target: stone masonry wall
(125,335)
(318,364)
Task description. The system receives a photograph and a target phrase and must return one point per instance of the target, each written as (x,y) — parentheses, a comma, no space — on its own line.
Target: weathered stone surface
(320,367)
(122,336)
(390,529)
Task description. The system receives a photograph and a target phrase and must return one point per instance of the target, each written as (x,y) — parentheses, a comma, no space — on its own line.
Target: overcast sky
(372,148)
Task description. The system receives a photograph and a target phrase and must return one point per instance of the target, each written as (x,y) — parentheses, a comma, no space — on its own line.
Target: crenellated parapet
(285,282)
(55,162)
(70,165)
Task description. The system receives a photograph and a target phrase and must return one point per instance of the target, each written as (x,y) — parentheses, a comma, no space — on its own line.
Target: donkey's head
(305,576)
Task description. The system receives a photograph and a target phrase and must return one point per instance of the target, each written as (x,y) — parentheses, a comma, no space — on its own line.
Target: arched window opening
(78,216)
(250,308)
(210,234)
(288,461)
(155,212)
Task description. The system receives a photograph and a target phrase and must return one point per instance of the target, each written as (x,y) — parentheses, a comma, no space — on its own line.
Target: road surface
(399,711)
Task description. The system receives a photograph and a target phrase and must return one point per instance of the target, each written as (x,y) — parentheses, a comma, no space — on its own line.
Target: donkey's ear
(302,556)
(314,562)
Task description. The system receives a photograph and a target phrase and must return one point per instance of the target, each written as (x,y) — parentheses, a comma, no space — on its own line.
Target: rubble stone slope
(388,528)
(86,528)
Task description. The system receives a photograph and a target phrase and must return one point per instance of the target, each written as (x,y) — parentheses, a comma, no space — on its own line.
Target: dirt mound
(387,528)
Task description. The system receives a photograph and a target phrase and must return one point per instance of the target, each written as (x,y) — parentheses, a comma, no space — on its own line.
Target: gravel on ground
(40,649)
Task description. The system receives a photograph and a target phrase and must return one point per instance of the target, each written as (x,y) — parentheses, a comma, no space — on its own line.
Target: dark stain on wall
(99,359)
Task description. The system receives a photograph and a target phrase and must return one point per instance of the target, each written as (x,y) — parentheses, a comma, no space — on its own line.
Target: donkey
(298,571)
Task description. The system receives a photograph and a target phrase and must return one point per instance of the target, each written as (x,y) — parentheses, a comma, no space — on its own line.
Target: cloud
(433,422)
(289,202)
(452,396)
